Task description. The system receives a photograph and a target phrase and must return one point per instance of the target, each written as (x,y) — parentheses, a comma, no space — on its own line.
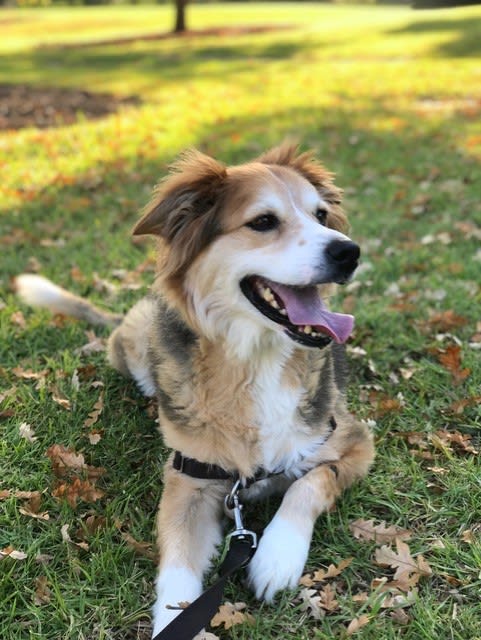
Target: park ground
(390,99)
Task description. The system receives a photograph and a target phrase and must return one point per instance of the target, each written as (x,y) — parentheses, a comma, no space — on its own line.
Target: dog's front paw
(279,559)
(175,587)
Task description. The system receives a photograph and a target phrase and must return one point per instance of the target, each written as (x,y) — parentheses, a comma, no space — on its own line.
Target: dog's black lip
(291,330)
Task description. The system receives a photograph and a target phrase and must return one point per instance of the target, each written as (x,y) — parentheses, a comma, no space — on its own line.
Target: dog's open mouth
(299,309)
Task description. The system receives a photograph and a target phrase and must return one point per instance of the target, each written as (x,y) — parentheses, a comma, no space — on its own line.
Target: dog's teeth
(275,304)
(308,329)
(283,312)
(267,295)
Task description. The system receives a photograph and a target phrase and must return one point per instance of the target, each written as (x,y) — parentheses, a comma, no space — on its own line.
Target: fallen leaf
(400,617)
(141,548)
(31,508)
(90,526)
(96,411)
(367,530)
(231,614)
(22,495)
(320,575)
(311,603)
(65,460)
(328,598)
(29,374)
(446,320)
(42,593)
(27,432)
(468,536)
(95,344)
(357,624)
(66,538)
(18,318)
(94,437)
(460,441)
(450,358)
(408,569)
(10,552)
(60,398)
(77,490)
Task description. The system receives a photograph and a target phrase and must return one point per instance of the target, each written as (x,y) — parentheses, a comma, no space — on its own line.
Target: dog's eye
(265,222)
(321,214)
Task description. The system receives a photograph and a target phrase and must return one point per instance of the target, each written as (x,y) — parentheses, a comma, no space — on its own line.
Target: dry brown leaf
(25,430)
(22,495)
(328,598)
(408,569)
(450,358)
(446,321)
(60,398)
(94,344)
(309,580)
(28,374)
(461,441)
(311,603)
(95,437)
(367,530)
(10,552)
(231,614)
(362,597)
(141,548)
(468,536)
(31,508)
(400,617)
(357,624)
(18,318)
(96,411)
(77,490)
(66,461)
(42,592)
(66,538)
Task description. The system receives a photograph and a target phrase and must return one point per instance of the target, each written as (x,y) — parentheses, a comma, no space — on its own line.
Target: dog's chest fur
(271,411)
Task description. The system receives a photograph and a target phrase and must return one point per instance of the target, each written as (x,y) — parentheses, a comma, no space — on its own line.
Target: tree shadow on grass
(465,35)
(181,62)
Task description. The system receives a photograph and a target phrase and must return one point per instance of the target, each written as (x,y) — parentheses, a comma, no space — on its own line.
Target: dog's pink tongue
(304,306)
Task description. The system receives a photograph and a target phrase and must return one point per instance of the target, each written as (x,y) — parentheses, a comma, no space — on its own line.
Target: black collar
(205,471)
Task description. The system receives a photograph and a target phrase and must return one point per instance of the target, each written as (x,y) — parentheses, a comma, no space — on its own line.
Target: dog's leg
(282,552)
(128,345)
(189,530)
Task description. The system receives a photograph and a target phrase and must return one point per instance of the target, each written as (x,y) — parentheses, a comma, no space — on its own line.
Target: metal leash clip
(233,509)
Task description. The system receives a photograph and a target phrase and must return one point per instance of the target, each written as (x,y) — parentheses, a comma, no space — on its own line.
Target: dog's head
(246,250)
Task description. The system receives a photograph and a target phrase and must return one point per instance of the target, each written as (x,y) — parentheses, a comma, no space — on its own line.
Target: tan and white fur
(235,389)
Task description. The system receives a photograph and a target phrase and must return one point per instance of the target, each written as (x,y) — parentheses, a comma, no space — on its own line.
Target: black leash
(241,546)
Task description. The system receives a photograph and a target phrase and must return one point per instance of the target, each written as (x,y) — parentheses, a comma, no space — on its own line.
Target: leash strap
(195,617)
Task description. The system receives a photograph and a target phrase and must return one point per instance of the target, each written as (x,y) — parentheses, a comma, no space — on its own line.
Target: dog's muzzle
(343,258)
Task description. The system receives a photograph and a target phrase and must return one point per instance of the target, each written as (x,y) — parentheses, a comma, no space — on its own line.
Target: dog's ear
(183,212)
(288,155)
(186,197)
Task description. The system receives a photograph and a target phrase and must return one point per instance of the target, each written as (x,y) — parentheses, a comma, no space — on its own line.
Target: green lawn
(391,101)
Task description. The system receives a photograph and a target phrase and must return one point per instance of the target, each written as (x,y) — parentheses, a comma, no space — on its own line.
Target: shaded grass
(391,101)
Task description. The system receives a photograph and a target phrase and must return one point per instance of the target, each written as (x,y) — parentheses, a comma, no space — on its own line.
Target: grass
(391,100)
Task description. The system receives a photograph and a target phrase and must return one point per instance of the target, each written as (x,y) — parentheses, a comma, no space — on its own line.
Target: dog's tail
(40,292)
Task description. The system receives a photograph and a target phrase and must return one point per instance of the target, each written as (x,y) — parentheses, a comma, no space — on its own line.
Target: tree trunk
(180,25)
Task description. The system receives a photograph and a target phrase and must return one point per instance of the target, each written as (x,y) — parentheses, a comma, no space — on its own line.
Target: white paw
(174,585)
(279,559)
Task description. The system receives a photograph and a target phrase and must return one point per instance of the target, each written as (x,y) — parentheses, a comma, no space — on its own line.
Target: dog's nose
(344,255)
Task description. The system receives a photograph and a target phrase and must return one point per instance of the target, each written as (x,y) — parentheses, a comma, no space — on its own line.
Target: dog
(247,363)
